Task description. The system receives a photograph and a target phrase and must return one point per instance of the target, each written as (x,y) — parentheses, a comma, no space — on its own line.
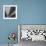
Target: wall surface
(7,26)
(28,12)
(34,12)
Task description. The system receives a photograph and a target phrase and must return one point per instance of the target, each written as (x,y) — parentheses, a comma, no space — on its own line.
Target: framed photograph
(9,11)
(31,32)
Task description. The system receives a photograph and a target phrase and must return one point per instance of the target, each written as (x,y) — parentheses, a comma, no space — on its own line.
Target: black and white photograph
(29,35)
(9,11)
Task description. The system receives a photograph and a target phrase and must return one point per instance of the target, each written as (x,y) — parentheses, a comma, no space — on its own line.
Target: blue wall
(7,26)
(28,12)
(33,12)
